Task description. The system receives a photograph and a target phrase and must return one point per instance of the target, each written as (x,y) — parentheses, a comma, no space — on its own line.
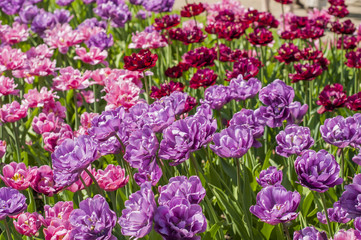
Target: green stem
(85,186)
(342,167)
(7,229)
(76,110)
(326,214)
(95,90)
(31,197)
(113,197)
(285,229)
(17,140)
(95,182)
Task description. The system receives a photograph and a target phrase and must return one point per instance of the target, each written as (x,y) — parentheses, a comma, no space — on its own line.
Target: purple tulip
(158,6)
(242,89)
(335,214)
(137,217)
(277,96)
(12,202)
(42,21)
(179,220)
(276,205)
(142,148)
(152,173)
(217,96)
(297,112)
(309,233)
(62,16)
(317,170)
(270,176)
(100,40)
(186,136)
(350,199)
(93,220)
(27,13)
(246,118)
(293,140)
(233,141)
(357,224)
(71,158)
(340,132)
(64,2)
(158,117)
(181,187)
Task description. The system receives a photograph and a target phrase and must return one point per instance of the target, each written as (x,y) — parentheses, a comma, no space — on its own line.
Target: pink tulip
(28,224)
(350,234)
(56,108)
(2,148)
(78,185)
(13,112)
(146,40)
(93,57)
(45,123)
(34,98)
(58,231)
(7,86)
(11,58)
(16,175)
(15,34)
(112,178)
(71,78)
(42,180)
(60,211)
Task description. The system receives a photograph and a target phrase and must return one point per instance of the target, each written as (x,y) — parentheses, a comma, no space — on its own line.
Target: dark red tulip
(166,22)
(193,9)
(203,78)
(140,61)
(331,97)
(305,72)
(166,89)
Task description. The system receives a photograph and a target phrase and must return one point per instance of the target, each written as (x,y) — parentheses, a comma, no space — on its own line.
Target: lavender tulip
(309,233)
(233,141)
(276,205)
(297,112)
(317,170)
(270,176)
(293,140)
(335,214)
(181,187)
(350,200)
(242,89)
(217,96)
(158,6)
(137,217)
(12,202)
(93,220)
(179,220)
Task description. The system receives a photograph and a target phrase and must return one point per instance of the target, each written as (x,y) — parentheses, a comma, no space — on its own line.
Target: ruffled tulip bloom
(186,136)
(331,97)
(140,61)
(7,86)
(28,224)
(42,180)
(58,230)
(277,96)
(217,96)
(318,171)
(166,89)
(59,212)
(12,202)
(71,158)
(350,234)
(182,187)
(340,132)
(335,214)
(305,72)
(350,200)
(349,42)
(357,224)
(354,102)
(112,178)
(276,205)
(203,78)
(200,57)
(260,37)
(142,148)
(71,78)
(45,123)
(93,220)
(158,6)
(293,140)
(247,67)
(247,118)
(15,34)
(270,176)
(148,40)
(297,112)
(179,220)
(287,53)
(354,58)
(191,10)
(310,233)
(2,148)
(242,90)
(137,217)
(93,57)
(232,142)
(187,35)
(16,175)
(346,27)
(13,112)
(34,98)
(101,41)
(166,22)
(177,71)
